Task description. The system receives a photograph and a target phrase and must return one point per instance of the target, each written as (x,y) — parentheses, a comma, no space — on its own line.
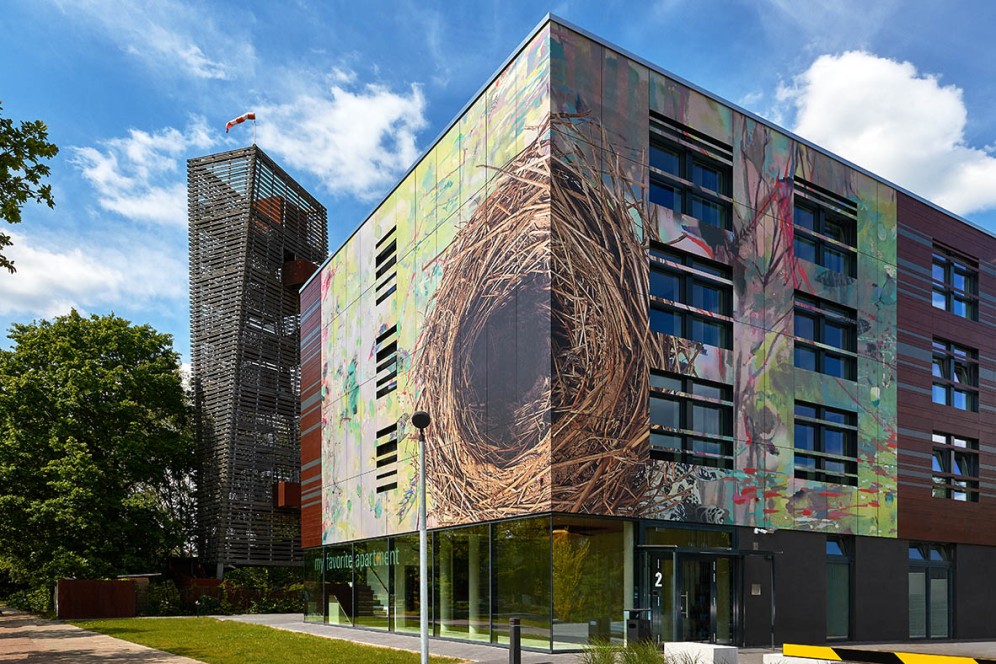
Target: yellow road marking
(812,652)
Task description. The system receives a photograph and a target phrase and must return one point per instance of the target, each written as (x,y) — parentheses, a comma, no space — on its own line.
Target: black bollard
(514,641)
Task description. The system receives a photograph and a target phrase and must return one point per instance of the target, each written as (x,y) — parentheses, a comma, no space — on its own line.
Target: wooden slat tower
(255,235)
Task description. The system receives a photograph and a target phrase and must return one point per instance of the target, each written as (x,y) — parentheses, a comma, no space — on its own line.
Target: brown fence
(84,598)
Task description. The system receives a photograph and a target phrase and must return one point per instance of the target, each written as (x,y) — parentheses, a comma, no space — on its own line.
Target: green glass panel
(589,563)
(461,575)
(838,600)
(407,607)
(522,579)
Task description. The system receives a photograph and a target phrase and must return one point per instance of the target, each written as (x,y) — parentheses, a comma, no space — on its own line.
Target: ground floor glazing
(572,580)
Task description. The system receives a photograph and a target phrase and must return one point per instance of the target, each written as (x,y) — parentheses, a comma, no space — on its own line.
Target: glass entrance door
(705,598)
(659,575)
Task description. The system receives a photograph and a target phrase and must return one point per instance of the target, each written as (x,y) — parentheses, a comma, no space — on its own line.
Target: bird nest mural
(535,350)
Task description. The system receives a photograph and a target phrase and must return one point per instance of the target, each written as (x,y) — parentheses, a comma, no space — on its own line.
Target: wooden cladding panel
(311,415)
(921,516)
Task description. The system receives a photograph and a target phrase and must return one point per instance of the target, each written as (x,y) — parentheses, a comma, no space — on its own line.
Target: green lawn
(225,642)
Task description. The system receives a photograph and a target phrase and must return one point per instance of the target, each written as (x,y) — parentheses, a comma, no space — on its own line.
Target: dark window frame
(935,561)
(955,464)
(945,266)
(691,271)
(689,392)
(955,374)
(840,552)
(828,211)
(818,471)
(689,149)
(824,315)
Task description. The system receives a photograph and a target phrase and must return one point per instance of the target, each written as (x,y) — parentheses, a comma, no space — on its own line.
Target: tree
(95,447)
(21,172)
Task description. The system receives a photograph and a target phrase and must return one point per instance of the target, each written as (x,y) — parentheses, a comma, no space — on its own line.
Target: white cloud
(140,176)
(51,280)
(171,37)
(356,140)
(903,125)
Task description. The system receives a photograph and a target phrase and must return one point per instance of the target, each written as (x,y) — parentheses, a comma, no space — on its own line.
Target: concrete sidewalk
(474,652)
(25,638)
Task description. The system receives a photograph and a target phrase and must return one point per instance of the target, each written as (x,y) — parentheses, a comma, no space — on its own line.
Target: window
(956,376)
(930,591)
(825,337)
(690,297)
(825,228)
(956,283)
(955,468)
(691,420)
(690,172)
(826,444)
(838,588)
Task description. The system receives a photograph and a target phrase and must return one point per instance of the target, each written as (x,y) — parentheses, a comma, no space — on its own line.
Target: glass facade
(522,555)
(462,583)
(566,578)
(589,580)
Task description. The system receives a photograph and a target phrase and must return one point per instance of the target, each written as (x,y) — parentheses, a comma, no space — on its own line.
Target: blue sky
(348,95)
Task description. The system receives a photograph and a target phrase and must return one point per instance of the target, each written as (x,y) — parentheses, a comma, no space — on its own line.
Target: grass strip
(227,642)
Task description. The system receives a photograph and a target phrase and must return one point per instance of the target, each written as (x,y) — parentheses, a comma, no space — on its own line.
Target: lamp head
(421,419)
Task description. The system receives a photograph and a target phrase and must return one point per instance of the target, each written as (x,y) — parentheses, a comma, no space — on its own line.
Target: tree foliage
(22,149)
(96,454)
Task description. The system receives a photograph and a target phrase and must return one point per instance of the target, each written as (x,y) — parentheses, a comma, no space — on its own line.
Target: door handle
(684,604)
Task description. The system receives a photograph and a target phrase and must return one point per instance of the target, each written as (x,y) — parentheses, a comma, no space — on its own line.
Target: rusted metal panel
(89,598)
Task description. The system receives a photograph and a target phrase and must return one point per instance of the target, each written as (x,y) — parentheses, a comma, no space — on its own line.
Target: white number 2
(658,578)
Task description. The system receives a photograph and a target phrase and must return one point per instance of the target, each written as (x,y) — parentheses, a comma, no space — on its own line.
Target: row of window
(691,174)
(692,297)
(691,421)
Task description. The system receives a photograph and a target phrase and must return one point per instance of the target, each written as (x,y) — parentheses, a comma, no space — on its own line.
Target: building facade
(255,236)
(676,359)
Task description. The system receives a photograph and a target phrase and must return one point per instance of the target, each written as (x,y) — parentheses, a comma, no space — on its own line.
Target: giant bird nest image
(520,426)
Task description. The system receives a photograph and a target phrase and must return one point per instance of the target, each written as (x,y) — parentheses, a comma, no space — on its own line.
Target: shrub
(599,652)
(35,600)
(164,599)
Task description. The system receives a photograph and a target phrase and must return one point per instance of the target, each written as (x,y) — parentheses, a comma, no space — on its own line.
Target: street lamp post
(421,419)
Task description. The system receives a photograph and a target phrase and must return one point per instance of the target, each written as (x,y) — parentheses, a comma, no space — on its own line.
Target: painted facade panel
(553,249)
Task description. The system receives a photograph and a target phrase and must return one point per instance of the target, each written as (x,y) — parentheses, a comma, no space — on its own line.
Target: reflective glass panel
(805,358)
(805,436)
(666,285)
(461,595)
(707,211)
(706,176)
(805,326)
(804,217)
(708,332)
(665,412)
(708,297)
(707,419)
(664,159)
(805,249)
(589,587)
(407,609)
(522,579)
(665,321)
(665,195)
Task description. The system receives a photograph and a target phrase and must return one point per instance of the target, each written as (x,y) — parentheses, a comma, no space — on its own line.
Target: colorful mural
(519,317)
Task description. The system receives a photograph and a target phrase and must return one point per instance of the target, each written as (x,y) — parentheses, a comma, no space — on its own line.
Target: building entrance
(690,596)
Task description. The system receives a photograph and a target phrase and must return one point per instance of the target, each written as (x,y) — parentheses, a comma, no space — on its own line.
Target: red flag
(239,120)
